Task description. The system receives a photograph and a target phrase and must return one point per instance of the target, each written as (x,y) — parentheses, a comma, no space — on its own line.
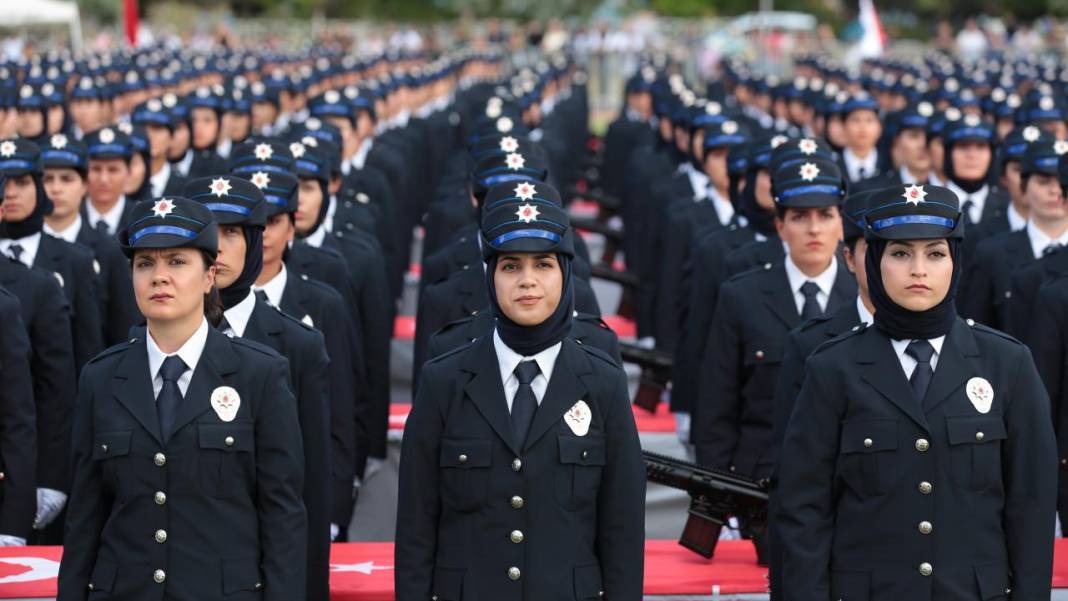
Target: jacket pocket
(578,476)
(976,450)
(850,586)
(993,580)
(465,472)
(588,582)
(225,458)
(448,584)
(761,360)
(241,574)
(102,579)
(109,449)
(868,455)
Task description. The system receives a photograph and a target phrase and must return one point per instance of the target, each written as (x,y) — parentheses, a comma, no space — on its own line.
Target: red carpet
(648,423)
(364,571)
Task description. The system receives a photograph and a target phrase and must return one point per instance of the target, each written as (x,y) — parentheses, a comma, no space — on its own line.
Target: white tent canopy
(42,12)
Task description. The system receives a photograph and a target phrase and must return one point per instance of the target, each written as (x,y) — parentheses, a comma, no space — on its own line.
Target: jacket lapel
(132,387)
(844,290)
(881,369)
(216,361)
(487,391)
(564,390)
(778,296)
(954,367)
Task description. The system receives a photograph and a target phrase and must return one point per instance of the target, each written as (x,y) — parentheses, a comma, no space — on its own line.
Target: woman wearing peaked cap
(187,456)
(521,475)
(919,461)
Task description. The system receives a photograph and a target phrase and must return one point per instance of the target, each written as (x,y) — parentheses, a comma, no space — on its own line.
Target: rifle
(656,373)
(629,282)
(716,497)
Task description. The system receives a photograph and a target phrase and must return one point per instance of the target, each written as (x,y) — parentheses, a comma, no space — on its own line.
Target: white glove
(682,427)
(49,503)
(334,531)
(374,464)
(6,540)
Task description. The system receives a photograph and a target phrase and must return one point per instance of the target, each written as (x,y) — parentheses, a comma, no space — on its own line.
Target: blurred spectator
(971,41)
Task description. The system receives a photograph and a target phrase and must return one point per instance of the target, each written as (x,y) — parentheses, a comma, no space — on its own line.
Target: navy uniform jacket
(320,306)
(985,286)
(18,429)
(732,422)
(653,213)
(988,228)
(213,514)
(1024,288)
(367,191)
(124,219)
(757,254)
(205,163)
(884,497)
(73,266)
(701,284)
(119,310)
(566,512)
(304,349)
(45,313)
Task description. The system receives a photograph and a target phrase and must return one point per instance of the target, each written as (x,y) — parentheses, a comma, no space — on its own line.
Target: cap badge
(809,171)
(107,136)
(297,149)
(807,146)
(527,213)
(263,152)
(509,144)
(514,161)
(1060,147)
(504,125)
(525,191)
(914,195)
(7,148)
(260,179)
(58,141)
(220,187)
(162,208)
(730,128)
(1031,133)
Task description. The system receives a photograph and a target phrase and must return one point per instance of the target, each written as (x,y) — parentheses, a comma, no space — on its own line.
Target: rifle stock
(656,373)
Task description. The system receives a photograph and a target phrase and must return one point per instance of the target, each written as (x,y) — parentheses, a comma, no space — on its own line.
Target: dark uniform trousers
(212,513)
(885,497)
(561,518)
(18,430)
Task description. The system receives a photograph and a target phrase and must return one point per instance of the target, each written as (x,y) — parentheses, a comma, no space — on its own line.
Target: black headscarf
(13,230)
(898,322)
(238,291)
(531,340)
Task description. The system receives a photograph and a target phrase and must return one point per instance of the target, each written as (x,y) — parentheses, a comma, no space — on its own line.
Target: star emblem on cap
(309,142)
(809,171)
(525,191)
(1031,133)
(925,109)
(204,92)
(504,125)
(914,195)
(527,213)
(493,111)
(58,141)
(260,179)
(1045,103)
(313,123)
(1060,147)
(509,144)
(807,146)
(713,109)
(514,161)
(26,91)
(7,148)
(263,152)
(972,120)
(297,149)
(85,83)
(220,187)
(730,128)
(125,127)
(154,105)
(107,136)
(953,114)
(162,208)
(332,97)
(48,89)
(778,141)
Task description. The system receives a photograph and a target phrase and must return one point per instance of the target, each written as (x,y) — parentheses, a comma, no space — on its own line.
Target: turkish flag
(131,19)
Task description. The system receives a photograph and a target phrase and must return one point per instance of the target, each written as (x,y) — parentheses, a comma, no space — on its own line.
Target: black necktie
(525,403)
(811,308)
(966,210)
(170,396)
(16,252)
(102,227)
(861,173)
(1049,250)
(921,351)
(224,325)
(261,295)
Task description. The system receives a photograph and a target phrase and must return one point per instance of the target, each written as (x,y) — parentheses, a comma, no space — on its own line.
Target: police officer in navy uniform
(919,461)
(521,475)
(240,209)
(106,208)
(18,429)
(187,453)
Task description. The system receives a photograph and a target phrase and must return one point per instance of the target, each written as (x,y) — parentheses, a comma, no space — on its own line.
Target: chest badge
(225,401)
(578,418)
(981,394)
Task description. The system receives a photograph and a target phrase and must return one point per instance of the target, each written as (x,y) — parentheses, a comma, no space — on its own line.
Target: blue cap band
(162,229)
(517,234)
(254,167)
(228,208)
(882,224)
(16,164)
(62,155)
(815,189)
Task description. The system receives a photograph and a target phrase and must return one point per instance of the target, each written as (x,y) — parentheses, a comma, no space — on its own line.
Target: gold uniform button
(517,465)
(514,573)
(91,587)
(759,354)
(517,502)
(104,448)
(926,569)
(160,498)
(926,527)
(516,536)
(258,586)
(922,445)
(868,443)
(161,536)
(585,454)
(159,576)
(925,488)
(979,436)
(1064,461)
(228,441)
(159,459)
(462,458)
(970,322)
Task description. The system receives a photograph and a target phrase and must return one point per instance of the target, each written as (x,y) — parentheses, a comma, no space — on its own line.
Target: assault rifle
(656,373)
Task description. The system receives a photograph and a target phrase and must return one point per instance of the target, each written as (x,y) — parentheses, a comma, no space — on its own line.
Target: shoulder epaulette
(598,353)
(451,352)
(978,327)
(751,271)
(256,346)
(111,350)
(854,331)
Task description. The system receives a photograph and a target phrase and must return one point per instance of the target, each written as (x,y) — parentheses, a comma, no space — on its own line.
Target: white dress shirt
(190,353)
(360,157)
(1017,221)
(29,245)
(908,363)
(865,315)
(906,176)
(824,280)
(724,208)
(854,164)
(275,287)
(507,360)
(111,218)
(70,234)
(698,181)
(331,210)
(158,182)
(978,198)
(238,316)
(183,165)
(316,238)
(1039,239)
